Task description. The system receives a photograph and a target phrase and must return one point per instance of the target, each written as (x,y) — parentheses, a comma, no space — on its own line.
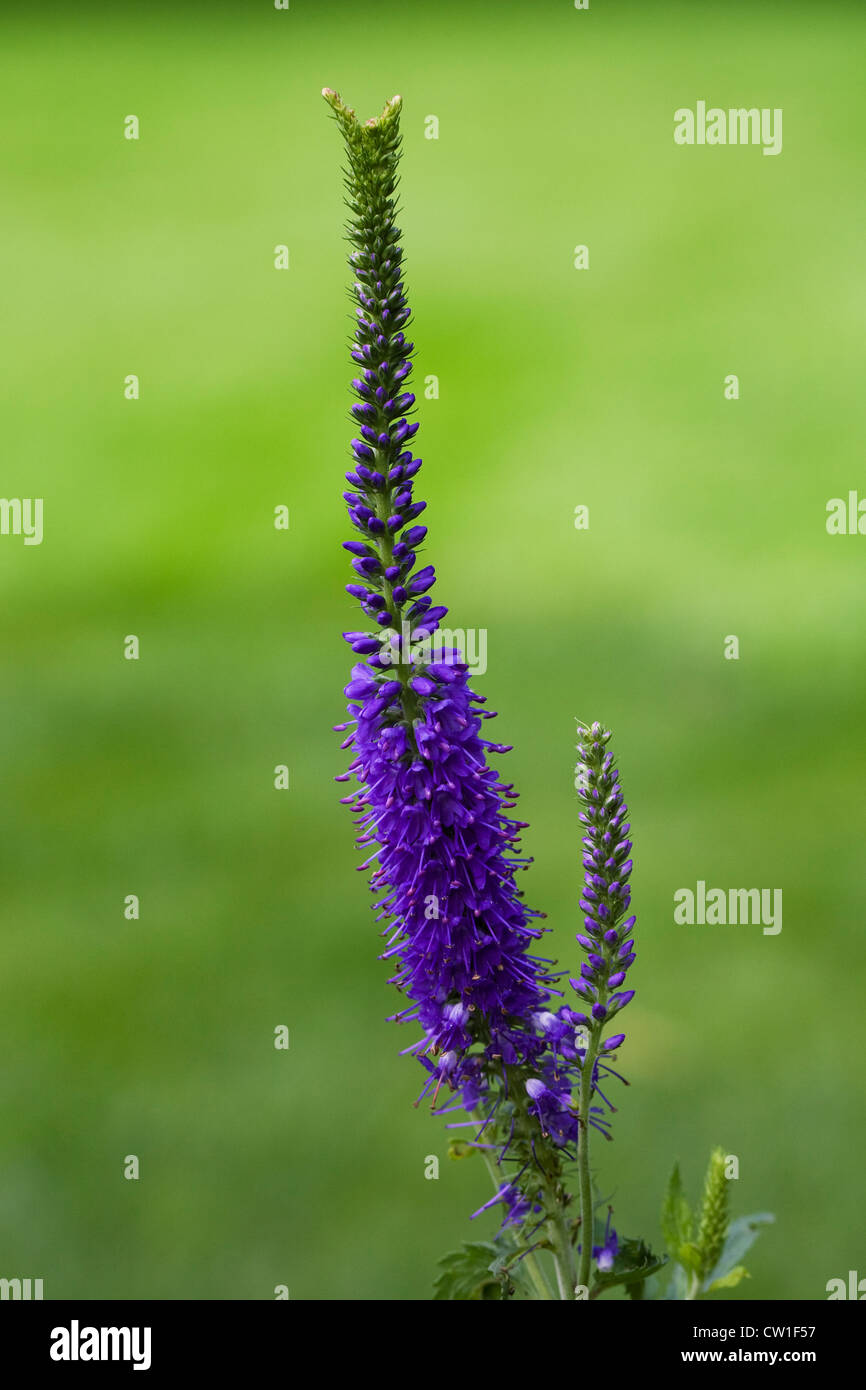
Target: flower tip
(335,100)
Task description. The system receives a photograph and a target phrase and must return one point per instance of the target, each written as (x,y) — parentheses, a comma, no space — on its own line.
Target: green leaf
(741,1237)
(504,1262)
(676,1215)
(633,1263)
(466,1274)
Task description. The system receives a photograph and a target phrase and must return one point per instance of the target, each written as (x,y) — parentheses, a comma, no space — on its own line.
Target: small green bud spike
(713,1226)
(373,153)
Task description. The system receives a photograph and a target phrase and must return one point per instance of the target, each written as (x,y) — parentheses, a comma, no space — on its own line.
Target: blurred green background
(558,387)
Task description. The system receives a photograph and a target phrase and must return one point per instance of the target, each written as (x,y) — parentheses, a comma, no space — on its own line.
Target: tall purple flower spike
(429,806)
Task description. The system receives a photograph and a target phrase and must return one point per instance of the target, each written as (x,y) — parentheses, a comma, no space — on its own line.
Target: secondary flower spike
(607,932)
(430,809)
(607,940)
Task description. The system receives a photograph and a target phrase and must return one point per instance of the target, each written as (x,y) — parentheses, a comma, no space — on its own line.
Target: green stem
(536,1273)
(586,1203)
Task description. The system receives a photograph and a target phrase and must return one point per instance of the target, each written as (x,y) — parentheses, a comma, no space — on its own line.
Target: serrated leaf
(633,1263)
(466,1274)
(730,1280)
(741,1237)
(504,1262)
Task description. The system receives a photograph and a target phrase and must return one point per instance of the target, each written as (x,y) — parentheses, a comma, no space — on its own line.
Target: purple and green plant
(524,1075)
